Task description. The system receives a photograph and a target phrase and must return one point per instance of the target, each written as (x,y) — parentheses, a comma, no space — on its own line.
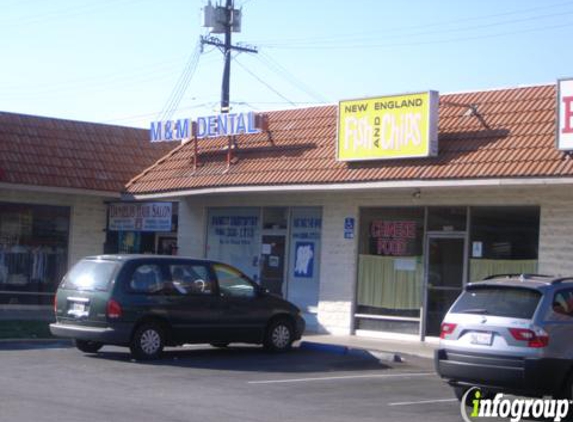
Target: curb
(341,350)
(38,341)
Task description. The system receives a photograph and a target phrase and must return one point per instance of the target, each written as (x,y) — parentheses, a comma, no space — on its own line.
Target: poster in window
(304,259)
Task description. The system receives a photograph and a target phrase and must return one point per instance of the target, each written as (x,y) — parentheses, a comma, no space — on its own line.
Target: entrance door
(273,263)
(444,278)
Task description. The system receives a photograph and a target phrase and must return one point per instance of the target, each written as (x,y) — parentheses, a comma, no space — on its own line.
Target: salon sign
(140,216)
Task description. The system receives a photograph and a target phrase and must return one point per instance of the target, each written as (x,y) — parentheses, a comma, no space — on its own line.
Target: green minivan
(146,302)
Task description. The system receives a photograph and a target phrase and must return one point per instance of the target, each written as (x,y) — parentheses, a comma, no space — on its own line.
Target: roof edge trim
(56,189)
(333,187)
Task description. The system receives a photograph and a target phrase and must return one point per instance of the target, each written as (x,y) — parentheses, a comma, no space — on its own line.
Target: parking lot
(55,382)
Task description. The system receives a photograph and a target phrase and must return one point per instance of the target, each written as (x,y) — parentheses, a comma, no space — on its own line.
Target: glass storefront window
(33,251)
(390,263)
(504,240)
(447,219)
(234,237)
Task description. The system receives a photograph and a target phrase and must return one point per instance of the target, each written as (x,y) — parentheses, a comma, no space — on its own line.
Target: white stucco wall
(339,256)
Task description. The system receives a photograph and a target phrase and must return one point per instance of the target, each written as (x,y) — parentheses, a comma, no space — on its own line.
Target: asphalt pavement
(51,381)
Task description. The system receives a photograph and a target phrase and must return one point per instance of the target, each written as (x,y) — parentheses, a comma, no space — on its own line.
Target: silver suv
(510,333)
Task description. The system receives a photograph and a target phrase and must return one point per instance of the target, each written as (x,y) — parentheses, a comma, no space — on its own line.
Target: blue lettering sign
(182,129)
(168,134)
(241,125)
(155,132)
(201,127)
(251,123)
(212,126)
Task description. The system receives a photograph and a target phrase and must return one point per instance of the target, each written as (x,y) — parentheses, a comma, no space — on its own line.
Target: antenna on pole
(224,20)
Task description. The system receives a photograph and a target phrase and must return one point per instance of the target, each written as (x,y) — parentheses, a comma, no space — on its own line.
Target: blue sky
(119,61)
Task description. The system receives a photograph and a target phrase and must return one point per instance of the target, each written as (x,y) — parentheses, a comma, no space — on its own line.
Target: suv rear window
(90,275)
(513,302)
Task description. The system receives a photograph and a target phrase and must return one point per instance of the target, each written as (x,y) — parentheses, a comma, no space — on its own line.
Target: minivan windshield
(90,275)
(513,302)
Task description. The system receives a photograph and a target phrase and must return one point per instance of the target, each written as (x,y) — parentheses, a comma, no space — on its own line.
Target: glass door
(445,271)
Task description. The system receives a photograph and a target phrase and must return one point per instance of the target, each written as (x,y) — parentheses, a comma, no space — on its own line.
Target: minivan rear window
(90,275)
(513,302)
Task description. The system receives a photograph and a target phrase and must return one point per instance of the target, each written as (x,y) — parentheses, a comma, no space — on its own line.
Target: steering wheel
(200,285)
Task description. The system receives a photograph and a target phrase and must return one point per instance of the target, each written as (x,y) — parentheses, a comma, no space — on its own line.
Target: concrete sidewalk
(397,348)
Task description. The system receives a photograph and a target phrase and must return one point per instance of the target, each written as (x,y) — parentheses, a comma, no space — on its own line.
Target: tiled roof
(513,136)
(43,151)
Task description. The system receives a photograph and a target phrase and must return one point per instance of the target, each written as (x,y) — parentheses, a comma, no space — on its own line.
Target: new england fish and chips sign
(390,127)
(141,216)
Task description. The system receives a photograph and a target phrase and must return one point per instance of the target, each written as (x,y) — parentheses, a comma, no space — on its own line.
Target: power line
(263,82)
(182,85)
(285,74)
(399,31)
(422,43)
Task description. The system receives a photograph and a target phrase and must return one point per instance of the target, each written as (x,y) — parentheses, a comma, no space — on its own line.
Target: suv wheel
(87,346)
(279,336)
(147,342)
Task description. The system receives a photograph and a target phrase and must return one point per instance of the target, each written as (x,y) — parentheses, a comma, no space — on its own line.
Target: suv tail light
(535,338)
(55,304)
(447,329)
(113,309)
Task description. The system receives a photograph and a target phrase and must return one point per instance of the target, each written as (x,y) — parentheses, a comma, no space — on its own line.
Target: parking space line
(348,377)
(408,403)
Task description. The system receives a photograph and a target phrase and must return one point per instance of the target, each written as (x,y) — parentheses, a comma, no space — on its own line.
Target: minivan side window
(563,303)
(232,282)
(190,279)
(147,278)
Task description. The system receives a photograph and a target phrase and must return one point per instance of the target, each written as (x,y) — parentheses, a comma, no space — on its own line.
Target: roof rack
(520,275)
(561,280)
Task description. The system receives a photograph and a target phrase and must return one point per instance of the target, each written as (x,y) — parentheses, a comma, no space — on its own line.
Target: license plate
(78,307)
(484,339)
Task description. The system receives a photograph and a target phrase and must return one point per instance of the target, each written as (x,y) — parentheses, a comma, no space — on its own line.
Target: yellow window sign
(398,126)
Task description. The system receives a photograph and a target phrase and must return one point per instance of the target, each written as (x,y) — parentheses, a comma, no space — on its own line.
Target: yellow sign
(398,126)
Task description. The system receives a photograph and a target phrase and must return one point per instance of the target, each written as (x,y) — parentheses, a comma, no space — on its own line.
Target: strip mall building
(378,245)
(381,246)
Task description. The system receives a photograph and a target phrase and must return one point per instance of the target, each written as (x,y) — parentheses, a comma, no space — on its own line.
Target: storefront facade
(57,178)
(141,228)
(434,241)
(397,239)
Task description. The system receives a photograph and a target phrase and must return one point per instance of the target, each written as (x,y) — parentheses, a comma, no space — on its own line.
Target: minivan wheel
(147,342)
(279,336)
(87,346)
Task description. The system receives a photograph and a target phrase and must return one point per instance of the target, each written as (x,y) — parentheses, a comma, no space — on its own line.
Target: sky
(131,62)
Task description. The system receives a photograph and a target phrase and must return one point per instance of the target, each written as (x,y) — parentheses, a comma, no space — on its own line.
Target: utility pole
(224,20)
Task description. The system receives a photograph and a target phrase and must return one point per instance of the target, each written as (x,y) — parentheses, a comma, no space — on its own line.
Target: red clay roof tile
(61,153)
(515,138)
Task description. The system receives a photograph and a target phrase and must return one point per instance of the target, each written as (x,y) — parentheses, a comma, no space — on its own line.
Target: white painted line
(408,403)
(349,377)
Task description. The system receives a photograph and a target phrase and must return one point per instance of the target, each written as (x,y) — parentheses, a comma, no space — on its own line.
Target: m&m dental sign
(564,134)
(227,124)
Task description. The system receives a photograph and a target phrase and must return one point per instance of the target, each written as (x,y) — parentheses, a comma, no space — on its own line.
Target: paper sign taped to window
(404,264)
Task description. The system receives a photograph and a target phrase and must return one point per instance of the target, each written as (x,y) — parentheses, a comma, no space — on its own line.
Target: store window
(390,268)
(234,237)
(504,240)
(33,251)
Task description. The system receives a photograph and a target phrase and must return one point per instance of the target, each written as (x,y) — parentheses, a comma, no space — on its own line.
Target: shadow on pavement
(251,358)
(30,345)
